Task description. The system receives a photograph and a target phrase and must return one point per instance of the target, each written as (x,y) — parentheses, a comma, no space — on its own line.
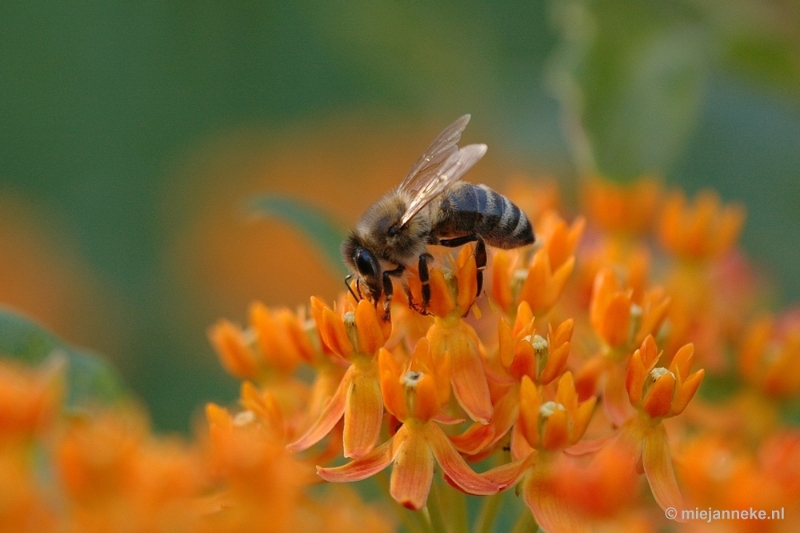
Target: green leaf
(90,380)
(632,75)
(321,228)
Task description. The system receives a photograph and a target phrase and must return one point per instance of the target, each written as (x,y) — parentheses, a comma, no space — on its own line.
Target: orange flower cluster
(574,378)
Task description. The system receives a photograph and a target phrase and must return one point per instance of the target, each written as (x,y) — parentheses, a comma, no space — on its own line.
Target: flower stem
(414,522)
(488,513)
(525,523)
(435,507)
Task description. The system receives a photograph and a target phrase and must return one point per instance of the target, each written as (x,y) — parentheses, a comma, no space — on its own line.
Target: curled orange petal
(657,463)
(412,473)
(363,414)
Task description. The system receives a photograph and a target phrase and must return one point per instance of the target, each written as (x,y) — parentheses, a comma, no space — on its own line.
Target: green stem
(488,513)
(435,507)
(459,505)
(525,523)
(413,522)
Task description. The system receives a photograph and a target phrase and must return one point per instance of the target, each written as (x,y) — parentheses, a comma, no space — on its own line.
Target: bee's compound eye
(365,263)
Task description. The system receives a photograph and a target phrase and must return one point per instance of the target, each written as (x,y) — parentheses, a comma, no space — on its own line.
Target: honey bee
(431,207)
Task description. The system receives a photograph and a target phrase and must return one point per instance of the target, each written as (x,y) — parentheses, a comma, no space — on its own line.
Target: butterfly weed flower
(543,281)
(356,338)
(701,231)
(543,431)
(657,393)
(769,357)
(624,212)
(521,352)
(467,388)
(620,323)
(30,399)
(273,346)
(415,391)
(453,339)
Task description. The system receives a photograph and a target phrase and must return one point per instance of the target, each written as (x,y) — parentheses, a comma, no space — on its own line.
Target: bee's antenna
(347,279)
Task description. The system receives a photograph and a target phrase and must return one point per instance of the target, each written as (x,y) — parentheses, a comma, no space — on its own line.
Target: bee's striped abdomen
(476,209)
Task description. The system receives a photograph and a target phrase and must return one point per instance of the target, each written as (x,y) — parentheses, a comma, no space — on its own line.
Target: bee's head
(363,264)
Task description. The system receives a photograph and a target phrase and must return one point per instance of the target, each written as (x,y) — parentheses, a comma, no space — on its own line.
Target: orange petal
(467,283)
(657,464)
(524,319)
(412,472)
(509,474)
(475,439)
(391,386)
(687,392)
(501,280)
(478,437)
(551,513)
(556,362)
(529,404)
(754,345)
(469,384)
(535,284)
(524,362)
(559,280)
(272,345)
(334,335)
(363,414)
(426,397)
(505,343)
(658,400)
(682,361)
(563,332)
(654,313)
(581,420)
(228,341)
(614,326)
(556,434)
(634,378)
(456,470)
(362,468)
(330,415)
(588,378)
(603,289)
(369,328)
(441,298)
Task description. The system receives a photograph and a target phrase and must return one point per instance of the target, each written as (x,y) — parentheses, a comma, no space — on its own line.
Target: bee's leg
(480,253)
(480,262)
(347,279)
(424,278)
(388,289)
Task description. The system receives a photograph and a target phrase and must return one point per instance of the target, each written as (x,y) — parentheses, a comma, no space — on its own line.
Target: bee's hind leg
(424,279)
(480,262)
(480,254)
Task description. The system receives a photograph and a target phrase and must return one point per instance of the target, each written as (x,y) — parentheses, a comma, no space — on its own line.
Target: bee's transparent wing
(445,174)
(442,147)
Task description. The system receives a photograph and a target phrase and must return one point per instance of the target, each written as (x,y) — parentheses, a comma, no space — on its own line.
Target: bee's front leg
(388,289)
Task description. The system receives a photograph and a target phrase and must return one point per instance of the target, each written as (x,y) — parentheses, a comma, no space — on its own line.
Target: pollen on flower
(411,379)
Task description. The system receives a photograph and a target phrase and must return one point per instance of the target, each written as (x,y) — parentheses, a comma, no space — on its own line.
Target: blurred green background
(130,133)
